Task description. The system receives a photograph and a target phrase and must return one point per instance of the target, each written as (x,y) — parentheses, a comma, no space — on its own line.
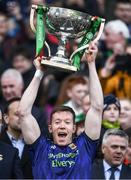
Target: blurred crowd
(17,52)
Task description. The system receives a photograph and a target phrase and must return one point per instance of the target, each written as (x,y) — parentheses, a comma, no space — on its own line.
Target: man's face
(11,87)
(62,128)
(111,113)
(77,92)
(114,150)
(13,118)
(123,12)
(3,25)
(111,38)
(125,114)
(21,63)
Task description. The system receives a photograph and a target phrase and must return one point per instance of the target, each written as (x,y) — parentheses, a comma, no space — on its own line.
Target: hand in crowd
(118,49)
(111,61)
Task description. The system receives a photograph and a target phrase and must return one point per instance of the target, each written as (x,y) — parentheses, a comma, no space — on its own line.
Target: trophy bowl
(66,24)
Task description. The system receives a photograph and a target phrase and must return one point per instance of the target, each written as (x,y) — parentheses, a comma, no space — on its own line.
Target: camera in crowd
(123,63)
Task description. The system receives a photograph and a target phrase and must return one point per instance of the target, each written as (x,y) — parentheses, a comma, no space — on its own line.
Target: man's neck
(15,133)
(76,106)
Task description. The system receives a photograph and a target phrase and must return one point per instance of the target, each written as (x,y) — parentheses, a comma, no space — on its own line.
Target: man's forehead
(125,103)
(9,81)
(62,115)
(114,139)
(58,113)
(14,104)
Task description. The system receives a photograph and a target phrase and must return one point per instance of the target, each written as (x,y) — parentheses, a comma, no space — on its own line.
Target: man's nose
(112,111)
(62,125)
(7,90)
(122,111)
(119,150)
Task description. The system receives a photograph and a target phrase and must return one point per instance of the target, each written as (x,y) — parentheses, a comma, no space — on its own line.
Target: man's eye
(114,147)
(123,148)
(67,122)
(57,122)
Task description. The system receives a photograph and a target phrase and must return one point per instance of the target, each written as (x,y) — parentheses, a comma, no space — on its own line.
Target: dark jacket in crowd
(9,162)
(25,161)
(98,171)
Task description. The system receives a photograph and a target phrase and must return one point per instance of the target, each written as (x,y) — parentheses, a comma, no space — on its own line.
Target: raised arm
(94,115)
(29,126)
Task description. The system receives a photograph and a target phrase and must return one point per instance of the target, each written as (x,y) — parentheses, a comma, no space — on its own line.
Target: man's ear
(103,149)
(74,128)
(50,128)
(6,118)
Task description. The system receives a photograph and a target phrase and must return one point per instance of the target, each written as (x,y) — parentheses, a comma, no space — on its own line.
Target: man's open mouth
(62,134)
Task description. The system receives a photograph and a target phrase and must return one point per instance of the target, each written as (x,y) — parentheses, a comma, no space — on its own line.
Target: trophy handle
(95,40)
(32,13)
(100,30)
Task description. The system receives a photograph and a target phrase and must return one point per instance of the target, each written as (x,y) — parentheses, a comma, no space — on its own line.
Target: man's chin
(117,163)
(62,143)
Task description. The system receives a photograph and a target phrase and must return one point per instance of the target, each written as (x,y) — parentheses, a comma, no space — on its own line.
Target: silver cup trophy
(66,24)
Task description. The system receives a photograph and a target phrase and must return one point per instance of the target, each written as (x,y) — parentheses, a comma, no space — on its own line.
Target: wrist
(39,74)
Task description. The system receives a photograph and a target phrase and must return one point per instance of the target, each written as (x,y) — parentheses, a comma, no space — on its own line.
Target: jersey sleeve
(87,145)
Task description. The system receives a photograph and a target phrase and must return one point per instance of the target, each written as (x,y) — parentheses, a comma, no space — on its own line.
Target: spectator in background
(111,113)
(114,146)
(110,118)
(74,87)
(115,75)
(12,29)
(6,43)
(22,61)
(120,81)
(114,41)
(12,135)
(12,86)
(125,115)
(123,12)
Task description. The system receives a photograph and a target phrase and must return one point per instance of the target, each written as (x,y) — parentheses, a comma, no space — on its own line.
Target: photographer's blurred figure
(120,82)
(115,73)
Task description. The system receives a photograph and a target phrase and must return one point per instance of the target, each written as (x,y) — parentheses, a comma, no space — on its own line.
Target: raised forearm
(30,93)
(94,115)
(95,89)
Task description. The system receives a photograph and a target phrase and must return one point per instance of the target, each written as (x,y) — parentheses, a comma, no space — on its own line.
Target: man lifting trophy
(66,24)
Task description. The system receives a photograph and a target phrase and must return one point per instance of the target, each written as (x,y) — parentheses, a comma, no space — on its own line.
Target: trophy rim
(51,29)
(69,9)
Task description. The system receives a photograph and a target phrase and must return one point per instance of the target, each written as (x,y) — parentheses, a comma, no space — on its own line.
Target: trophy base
(60,66)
